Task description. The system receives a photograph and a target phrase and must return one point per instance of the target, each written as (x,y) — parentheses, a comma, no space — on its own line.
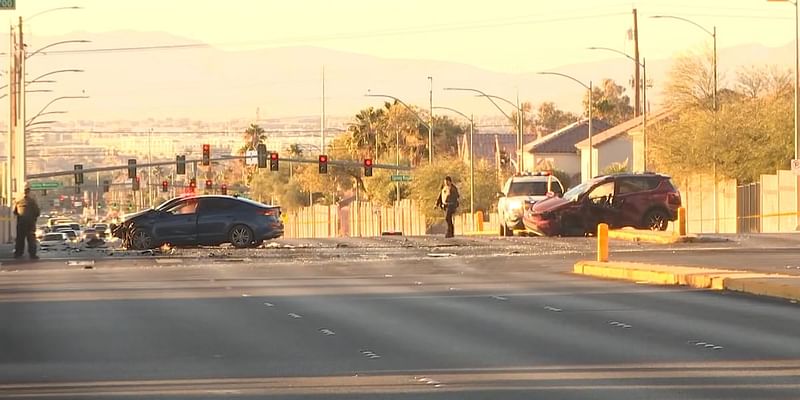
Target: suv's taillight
(674,198)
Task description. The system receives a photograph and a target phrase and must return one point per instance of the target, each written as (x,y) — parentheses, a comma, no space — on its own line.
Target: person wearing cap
(27,211)
(448,201)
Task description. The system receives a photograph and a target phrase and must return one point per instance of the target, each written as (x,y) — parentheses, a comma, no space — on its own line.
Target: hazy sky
(502,35)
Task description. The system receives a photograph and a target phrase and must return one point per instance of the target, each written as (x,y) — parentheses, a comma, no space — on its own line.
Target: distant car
(204,220)
(644,201)
(89,234)
(57,241)
(519,193)
(102,230)
(41,230)
(71,234)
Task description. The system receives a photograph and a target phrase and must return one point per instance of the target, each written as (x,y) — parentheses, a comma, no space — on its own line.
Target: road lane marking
(620,324)
(369,354)
(293,315)
(705,345)
(553,309)
(327,332)
(501,298)
(269,304)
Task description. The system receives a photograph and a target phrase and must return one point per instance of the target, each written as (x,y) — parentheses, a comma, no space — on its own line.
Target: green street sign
(8,4)
(44,185)
(401,178)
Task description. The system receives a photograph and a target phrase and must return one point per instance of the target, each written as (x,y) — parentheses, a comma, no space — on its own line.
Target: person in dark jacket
(27,212)
(448,201)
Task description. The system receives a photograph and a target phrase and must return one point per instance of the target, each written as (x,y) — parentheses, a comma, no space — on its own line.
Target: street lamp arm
(52,73)
(622,53)
(490,97)
(404,105)
(56,44)
(40,123)
(51,10)
(710,33)
(453,110)
(51,102)
(565,76)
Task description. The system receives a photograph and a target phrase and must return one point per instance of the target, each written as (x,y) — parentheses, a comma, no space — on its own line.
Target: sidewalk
(763,284)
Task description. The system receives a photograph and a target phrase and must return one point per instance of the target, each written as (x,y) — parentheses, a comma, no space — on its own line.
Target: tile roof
(624,127)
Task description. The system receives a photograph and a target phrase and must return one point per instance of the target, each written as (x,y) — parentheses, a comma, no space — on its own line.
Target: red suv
(645,201)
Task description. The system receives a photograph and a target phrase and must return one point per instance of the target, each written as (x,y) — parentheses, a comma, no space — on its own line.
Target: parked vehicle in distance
(54,241)
(201,220)
(644,201)
(519,193)
(41,230)
(89,234)
(102,230)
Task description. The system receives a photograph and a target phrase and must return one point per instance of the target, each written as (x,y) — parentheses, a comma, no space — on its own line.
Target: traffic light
(323,164)
(206,154)
(223,189)
(367,167)
(135,184)
(192,185)
(106,186)
(208,184)
(79,174)
(131,168)
(262,155)
(273,161)
(180,165)
(164,186)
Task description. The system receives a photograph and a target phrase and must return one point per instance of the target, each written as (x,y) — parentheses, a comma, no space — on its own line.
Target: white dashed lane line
(707,345)
(620,324)
(293,315)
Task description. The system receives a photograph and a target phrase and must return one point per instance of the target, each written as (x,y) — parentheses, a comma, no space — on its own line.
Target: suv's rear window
(637,184)
(528,189)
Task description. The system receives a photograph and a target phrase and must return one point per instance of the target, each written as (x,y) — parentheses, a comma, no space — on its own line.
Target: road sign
(401,178)
(796,166)
(45,185)
(8,4)
(252,157)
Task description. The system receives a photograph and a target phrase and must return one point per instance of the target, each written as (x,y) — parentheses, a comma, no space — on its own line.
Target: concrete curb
(772,285)
(657,237)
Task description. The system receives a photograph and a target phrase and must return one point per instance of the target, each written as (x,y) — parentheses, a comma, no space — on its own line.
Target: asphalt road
(475,318)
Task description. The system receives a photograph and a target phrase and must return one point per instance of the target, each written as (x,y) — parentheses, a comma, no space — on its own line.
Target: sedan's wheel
(140,240)
(241,236)
(656,220)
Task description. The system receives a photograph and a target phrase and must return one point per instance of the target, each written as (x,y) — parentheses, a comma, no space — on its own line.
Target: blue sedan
(201,220)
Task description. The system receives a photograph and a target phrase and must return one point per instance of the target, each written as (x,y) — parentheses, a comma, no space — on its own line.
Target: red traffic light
(323,158)
(368,162)
(208,183)
(273,156)
(206,147)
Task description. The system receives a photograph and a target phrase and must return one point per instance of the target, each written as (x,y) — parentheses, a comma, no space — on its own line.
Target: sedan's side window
(184,207)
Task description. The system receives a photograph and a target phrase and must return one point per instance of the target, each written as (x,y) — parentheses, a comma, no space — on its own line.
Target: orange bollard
(479,221)
(682,221)
(602,243)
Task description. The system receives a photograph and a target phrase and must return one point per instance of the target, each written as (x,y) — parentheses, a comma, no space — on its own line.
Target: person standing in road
(27,212)
(448,201)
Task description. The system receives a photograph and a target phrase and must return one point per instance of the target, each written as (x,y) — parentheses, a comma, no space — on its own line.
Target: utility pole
(637,110)
(322,118)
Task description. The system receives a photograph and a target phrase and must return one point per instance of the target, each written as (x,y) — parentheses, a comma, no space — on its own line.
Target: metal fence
(748,208)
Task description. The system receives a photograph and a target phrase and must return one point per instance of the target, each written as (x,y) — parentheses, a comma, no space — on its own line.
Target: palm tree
(253,136)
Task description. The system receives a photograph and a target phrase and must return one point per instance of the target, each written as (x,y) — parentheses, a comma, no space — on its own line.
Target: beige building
(557,150)
(621,144)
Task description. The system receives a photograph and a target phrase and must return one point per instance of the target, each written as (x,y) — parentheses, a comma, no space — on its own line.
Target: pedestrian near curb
(448,201)
(27,212)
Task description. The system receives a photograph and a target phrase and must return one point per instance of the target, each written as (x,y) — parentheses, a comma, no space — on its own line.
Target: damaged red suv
(644,201)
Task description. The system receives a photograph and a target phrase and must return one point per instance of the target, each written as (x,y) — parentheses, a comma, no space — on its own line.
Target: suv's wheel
(139,239)
(656,220)
(241,236)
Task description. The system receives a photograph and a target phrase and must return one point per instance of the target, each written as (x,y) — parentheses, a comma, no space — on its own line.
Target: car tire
(140,239)
(241,236)
(656,220)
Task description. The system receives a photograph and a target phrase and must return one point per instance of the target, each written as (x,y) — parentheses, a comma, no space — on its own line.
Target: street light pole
(715,101)
(427,125)
(430,125)
(643,88)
